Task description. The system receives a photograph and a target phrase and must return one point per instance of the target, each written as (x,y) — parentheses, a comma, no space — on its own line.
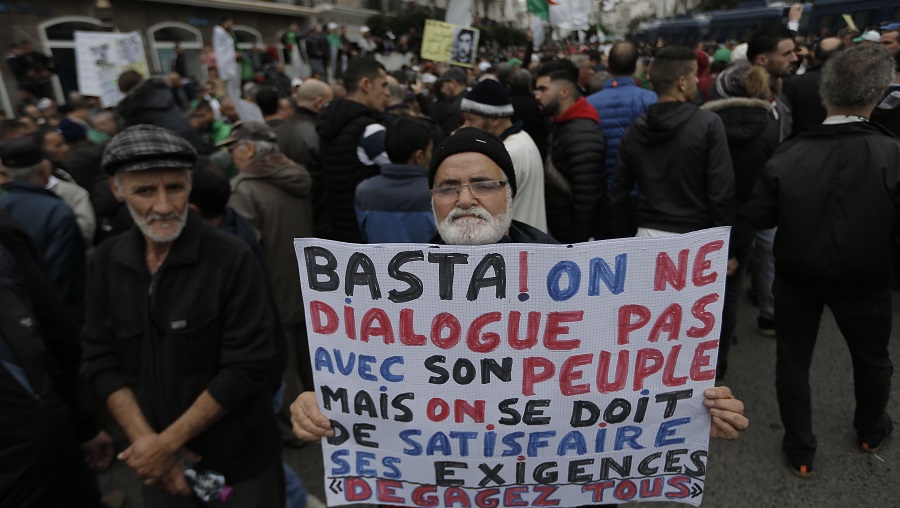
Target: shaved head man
(314,95)
(298,140)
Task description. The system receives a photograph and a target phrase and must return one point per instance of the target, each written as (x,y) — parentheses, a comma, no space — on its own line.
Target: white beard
(461,228)
(144,224)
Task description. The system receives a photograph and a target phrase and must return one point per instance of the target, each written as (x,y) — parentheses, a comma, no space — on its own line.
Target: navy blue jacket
(50,223)
(619,103)
(395,206)
(43,419)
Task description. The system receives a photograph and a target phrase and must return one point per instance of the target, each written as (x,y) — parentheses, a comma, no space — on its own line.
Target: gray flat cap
(143,147)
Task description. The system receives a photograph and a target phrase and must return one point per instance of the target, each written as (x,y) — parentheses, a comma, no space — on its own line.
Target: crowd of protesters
(789,139)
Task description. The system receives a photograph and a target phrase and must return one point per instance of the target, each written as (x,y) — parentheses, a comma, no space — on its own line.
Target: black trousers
(864,319)
(741,246)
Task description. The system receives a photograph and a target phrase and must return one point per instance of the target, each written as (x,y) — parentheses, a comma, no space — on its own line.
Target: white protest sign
(515,374)
(100,58)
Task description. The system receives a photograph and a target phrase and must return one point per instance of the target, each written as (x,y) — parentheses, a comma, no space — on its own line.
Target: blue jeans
(763,266)
(296,493)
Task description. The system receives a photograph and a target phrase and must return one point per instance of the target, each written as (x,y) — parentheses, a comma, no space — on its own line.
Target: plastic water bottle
(207,485)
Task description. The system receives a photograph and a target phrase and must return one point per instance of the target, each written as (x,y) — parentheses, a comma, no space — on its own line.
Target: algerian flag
(566,14)
(539,8)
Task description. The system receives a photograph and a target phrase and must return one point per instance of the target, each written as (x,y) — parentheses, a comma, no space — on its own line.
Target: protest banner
(515,374)
(445,42)
(100,57)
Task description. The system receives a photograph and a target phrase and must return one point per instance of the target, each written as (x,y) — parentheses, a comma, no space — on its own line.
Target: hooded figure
(152,102)
(752,134)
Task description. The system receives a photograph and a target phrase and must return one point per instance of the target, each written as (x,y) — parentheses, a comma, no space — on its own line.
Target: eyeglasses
(478,189)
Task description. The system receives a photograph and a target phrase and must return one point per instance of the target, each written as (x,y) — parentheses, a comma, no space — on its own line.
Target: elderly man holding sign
(570,428)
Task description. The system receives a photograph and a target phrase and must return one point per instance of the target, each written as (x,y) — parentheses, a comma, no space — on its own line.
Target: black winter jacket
(834,193)
(42,421)
(152,102)
(578,150)
(202,322)
(340,127)
(802,93)
(527,110)
(752,135)
(678,155)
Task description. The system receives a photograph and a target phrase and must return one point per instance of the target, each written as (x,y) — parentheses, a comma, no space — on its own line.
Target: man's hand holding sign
(727,414)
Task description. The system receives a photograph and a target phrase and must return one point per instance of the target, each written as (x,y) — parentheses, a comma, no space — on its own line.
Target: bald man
(396,105)
(298,140)
(802,91)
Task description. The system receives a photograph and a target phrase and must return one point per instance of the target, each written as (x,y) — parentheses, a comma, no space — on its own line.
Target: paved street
(750,472)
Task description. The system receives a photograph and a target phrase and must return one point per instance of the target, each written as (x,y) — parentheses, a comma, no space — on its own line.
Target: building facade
(50,26)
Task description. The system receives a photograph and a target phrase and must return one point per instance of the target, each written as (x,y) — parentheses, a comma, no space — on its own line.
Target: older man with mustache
(177,336)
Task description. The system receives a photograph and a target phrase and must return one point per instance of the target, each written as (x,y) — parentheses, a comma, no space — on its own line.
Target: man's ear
(417,157)
(115,190)
(46,168)
(365,85)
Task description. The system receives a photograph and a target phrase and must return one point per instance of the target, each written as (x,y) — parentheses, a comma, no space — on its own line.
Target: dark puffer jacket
(578,149)
(152,102)
(340,127)
(752,136)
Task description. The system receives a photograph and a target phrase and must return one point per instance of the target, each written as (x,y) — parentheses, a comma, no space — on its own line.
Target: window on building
(58,38)
(163,38)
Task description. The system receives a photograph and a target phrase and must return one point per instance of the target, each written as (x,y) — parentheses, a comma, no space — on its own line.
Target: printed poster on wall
(515,374)
(446,42)
(100,57)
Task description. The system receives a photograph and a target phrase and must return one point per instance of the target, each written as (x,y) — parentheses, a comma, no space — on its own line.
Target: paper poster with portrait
(446,42)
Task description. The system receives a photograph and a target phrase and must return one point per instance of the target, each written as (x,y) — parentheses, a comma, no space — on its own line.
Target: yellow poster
(850,24)
(446,42)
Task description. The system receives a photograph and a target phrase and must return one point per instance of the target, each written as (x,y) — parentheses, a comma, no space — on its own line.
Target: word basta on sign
(515,374)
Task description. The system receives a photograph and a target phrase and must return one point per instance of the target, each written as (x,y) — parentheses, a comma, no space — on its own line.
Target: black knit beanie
(470,139)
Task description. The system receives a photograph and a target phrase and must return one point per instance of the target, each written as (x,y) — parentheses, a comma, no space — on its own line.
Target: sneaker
(873,447)
(765,326)
(803,471)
